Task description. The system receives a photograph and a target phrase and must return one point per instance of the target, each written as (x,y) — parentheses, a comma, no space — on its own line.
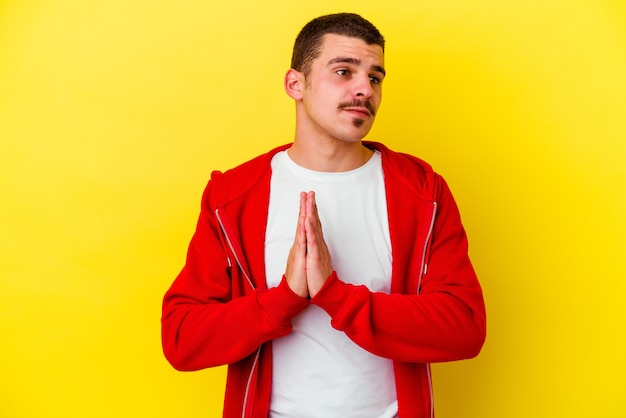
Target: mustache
(358,103)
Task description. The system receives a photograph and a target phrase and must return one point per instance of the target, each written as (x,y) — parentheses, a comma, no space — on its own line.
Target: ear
(294,84)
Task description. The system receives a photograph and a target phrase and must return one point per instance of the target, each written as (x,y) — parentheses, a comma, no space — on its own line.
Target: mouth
(358,111)
(361,109)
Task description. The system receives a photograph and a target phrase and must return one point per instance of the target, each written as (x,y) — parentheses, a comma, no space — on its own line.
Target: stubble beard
(357,123)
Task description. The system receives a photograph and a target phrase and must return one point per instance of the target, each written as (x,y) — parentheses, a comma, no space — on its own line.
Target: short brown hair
(309,41)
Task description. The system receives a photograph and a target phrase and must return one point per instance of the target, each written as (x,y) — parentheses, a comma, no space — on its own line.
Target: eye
(343,72)
(375,80)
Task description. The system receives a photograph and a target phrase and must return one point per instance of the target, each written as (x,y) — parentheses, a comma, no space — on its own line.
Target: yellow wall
(113,113)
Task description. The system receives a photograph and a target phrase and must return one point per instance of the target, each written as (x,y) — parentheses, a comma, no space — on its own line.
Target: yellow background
(114,112)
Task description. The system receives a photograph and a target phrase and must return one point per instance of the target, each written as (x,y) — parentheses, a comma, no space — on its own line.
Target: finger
(300,238)
(295,270)
(316,245)
(318,261)
(311,209)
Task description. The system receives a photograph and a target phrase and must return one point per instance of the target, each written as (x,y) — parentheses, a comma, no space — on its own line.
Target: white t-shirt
(317,370)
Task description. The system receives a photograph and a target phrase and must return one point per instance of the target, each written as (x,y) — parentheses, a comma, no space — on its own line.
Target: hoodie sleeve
(444,322)
(202,325)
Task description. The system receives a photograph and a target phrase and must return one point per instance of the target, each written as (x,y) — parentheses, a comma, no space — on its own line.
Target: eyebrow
(354,61)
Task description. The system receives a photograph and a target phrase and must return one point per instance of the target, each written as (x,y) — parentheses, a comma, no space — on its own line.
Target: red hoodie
(219,310)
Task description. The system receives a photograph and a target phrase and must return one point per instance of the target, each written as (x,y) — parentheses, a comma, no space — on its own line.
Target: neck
(329,156)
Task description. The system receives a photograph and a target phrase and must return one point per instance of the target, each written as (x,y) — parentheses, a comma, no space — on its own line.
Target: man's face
(343,89)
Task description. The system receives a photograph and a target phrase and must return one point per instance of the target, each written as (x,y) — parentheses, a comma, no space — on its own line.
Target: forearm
(433,327)
(197,335)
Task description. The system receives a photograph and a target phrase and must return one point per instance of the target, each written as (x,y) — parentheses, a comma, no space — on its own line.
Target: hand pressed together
(309,263)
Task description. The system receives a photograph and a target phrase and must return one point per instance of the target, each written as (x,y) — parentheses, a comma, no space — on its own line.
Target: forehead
(334,46)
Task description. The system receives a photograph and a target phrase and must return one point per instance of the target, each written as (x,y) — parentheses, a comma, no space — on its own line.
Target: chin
(351,140)
(353,134)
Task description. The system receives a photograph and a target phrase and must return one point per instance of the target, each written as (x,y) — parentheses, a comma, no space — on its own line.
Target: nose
(362,87)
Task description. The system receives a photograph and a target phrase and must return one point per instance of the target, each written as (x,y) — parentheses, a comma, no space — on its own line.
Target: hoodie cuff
(280,303)
(333,295)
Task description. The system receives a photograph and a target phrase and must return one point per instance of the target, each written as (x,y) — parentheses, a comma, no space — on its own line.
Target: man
(328,273)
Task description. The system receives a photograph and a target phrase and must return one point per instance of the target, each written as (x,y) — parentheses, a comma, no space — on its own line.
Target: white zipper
(232,249)
(243,271)
(245,396)
(430,390)
(423,271)
(424,265)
